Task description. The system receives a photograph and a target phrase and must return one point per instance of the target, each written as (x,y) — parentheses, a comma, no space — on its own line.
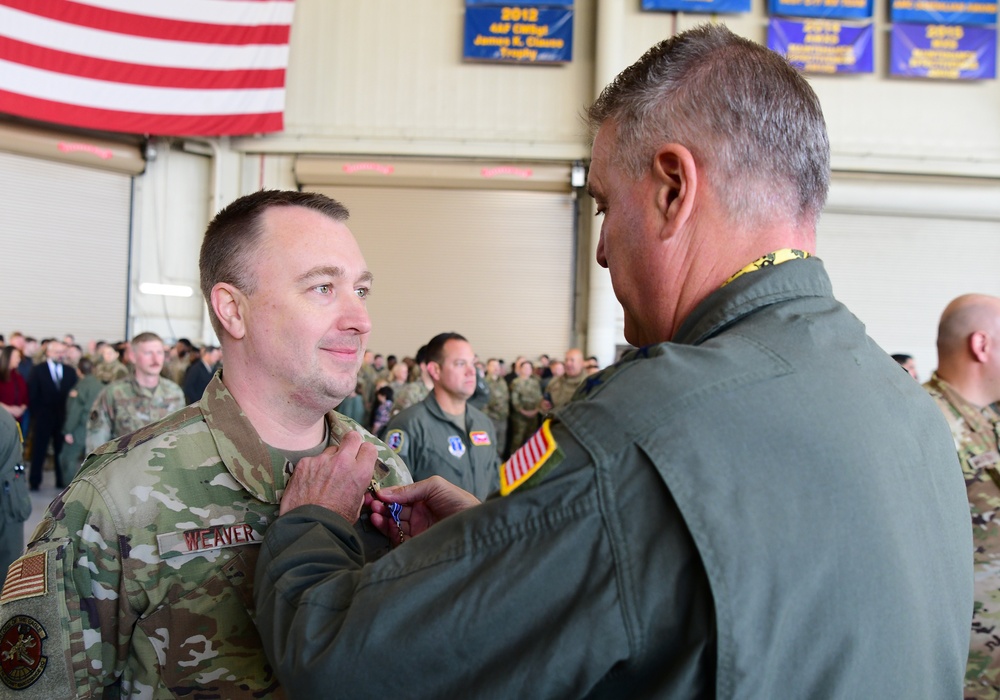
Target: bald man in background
(965,385)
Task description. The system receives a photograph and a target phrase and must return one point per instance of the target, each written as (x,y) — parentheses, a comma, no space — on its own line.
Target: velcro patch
(539,451)
(480,437)
(21,658)
(394,440)
(26,578)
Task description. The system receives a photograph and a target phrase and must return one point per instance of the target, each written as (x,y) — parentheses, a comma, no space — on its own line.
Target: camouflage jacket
(975,431)
(561,389)
(124,407)
(525,394)
(140,577)
(410,394)
(109,372)
(498,407)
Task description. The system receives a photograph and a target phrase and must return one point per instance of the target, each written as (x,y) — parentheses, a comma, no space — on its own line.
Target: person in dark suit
(48,386)
(200,373)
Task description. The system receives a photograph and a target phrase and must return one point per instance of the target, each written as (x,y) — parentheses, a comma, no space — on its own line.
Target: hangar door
(492,263)
(65,238)
(899,249)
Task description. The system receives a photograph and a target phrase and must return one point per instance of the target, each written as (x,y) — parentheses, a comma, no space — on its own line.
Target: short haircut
(435,348)
(900,358)
(145,338)
(421,358)
(233,237)
(752,123)
(85,366)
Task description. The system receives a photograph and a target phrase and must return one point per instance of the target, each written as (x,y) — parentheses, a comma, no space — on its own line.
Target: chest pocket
(207,639)
(15,501)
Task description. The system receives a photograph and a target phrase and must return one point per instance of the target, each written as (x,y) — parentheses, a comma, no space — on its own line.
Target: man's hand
(336,479)
(69,438)
(424,504)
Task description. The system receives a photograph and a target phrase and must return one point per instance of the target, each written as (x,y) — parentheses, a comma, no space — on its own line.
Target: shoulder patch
(394,440)
(21,659)
(26,578)
(537,456)
(480,437)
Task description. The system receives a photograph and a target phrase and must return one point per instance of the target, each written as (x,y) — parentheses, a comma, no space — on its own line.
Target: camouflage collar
(245,455)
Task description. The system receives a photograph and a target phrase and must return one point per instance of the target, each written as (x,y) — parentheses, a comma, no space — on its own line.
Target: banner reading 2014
(822,46)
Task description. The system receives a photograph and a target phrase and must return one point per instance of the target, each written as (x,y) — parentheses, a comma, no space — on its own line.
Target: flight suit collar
(435,410)
(748,293)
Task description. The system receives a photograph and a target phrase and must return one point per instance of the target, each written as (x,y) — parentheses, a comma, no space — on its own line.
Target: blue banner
(710,6)
(948,52)
(525,3)
(944,11)
(822,46)
(826,9)
(516,34)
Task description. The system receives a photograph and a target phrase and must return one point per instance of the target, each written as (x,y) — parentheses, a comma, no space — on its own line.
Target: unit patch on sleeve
(480,437)
(26,578)
(539,455)
(21,659)
(394,440)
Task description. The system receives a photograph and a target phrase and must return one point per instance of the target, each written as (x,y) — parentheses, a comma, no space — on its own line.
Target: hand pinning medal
(394,508)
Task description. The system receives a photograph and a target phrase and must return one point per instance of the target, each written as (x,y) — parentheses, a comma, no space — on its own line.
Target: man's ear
(676,178)
(229,304)
(434,369)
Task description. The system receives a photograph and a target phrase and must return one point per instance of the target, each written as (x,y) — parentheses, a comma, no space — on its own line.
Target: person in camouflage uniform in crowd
(109,368)
(412,393)
(498,407)
(81,398)
(367,378)
(525,403)
(966,383)
(139,580)
(129,404)
(562,388)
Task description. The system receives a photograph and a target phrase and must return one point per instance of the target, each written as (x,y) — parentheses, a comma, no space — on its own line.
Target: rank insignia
(456,446)
(480,437)
(394,440)
(26,578)
(536,457)
(21,660)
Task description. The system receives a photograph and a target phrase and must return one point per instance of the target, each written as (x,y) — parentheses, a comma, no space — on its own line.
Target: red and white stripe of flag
(25,578)
(169,67)
(523,463)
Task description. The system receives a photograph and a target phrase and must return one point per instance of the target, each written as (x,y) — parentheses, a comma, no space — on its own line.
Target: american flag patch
(26,578)
(524,463)
(480,437)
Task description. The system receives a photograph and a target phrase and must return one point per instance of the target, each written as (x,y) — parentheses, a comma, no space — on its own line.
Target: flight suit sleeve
(66,598)
(100,422)
(517,597)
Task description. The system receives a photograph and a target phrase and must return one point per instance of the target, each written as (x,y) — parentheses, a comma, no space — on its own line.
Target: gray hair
(752,123)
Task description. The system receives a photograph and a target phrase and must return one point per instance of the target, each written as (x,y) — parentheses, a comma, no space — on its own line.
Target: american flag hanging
(159,67)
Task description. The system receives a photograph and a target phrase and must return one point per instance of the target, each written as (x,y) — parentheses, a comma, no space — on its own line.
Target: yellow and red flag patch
(25,578)
(480,437)
(536,453)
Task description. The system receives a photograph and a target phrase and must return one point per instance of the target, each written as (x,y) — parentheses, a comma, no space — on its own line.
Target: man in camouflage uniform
(561,389)
(498,407)
(412,393)
(125,406)
(78,404)
(139,581)
(109,368)
(966,383)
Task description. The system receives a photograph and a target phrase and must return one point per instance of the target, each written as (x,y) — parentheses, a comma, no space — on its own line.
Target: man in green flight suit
(15,502)
(139,581)
(754,503)
(78,404)
(445,434)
